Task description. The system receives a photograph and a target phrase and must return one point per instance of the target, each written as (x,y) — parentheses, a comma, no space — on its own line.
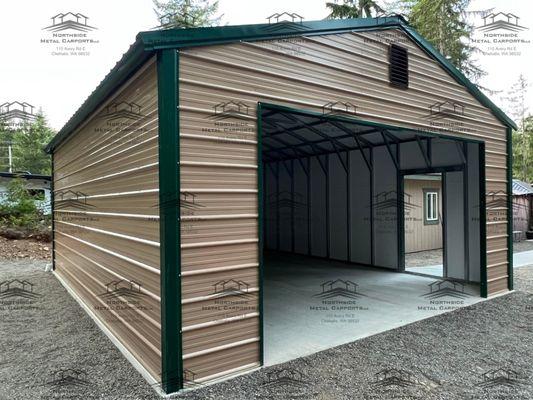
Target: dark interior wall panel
(454,225)
(338,221)
(385,210)
(445,153)
(318,209)
(412,156)
(270,211)
(301,204)
(473,211)
(360,209)
(285,206)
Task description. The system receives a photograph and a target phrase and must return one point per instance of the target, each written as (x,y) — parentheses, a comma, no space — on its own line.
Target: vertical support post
(52,209)
(292,206)
(400,212)
(328,228)
(509,137)
(348,207)
(444,226)
(308,187)
(483,222)
(372,239)
(278,230)
(466,219)
(169,217)
(260,230)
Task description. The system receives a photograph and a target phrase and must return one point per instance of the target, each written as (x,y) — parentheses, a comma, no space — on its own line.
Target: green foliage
(522,151)
(187,13)
(443,24)
(6,139)
(353,9)
(28,145)
(18,208)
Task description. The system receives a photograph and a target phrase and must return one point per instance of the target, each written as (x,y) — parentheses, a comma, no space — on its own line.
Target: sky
(38,72)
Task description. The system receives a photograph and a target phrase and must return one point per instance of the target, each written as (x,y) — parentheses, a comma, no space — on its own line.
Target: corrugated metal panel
(218,150)
(107,219)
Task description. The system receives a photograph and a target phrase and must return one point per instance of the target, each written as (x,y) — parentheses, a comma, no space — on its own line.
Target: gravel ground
(444,357)
(423,258)
(525,245)
(27,249)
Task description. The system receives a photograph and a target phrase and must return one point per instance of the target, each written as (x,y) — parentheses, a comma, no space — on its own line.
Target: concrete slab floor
(434,270)
(312,304)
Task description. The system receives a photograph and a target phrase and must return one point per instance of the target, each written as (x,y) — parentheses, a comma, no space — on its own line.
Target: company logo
(288,379)
(71,199)
(15,114)
(69,378)
(339,288)
(446,288)
(394,377)
(230,109)
(124,289)
(500,21)
(446,109)
(389,200)
(285,201)
(500,377)
(339,108)
(69,20)
(284,21)
(231,287)
(17,288)
(122,110)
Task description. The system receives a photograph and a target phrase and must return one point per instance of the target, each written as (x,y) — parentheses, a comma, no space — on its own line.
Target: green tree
(187,13)
(6,140)
(353,9)
(443,24)
(28,145)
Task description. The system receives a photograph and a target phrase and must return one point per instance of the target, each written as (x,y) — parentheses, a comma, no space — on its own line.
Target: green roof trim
(148,42)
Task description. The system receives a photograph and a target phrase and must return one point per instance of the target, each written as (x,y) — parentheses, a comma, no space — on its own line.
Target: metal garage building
(204,147)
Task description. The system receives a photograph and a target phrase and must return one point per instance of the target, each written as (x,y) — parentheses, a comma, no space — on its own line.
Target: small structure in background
(37,185)
(522,198)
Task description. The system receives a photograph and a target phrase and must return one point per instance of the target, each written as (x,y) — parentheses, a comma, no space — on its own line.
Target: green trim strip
(483,223)
(148,42)
(52,209)
(169,214)
(260,207)
(510,207)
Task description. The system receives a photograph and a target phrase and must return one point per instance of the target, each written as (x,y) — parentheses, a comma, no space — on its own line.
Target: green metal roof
(147,43)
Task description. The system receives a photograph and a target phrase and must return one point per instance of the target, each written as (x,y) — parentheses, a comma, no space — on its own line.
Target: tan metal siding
(219,156)
(109,231)
(418,236)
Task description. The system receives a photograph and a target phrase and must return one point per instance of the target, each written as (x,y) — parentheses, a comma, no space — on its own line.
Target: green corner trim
(510,207)
(260,231)
(169,214)
(52,209)
(483,223)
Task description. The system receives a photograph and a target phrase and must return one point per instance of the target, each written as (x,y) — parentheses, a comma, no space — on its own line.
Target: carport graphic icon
(283,21)
(446,109)
(286,379)
(338,288)
(187,201)
(500,377)
(69,20)
(339,108)
(17,288)
(122,288)
(389,200)
(233,109)
(285,201)
(394,377)
(122,110)
(501,21)
(231,287)
(446,288)
(69,378)
(71,199)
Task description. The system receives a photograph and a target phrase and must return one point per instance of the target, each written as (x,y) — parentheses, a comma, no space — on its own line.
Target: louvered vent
(398,66)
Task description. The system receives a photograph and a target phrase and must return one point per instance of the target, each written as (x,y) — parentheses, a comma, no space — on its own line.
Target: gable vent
(398,66)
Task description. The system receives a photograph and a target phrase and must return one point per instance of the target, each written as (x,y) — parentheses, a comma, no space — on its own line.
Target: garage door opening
(333,197)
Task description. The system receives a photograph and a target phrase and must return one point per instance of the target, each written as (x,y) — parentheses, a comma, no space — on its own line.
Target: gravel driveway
(480,352)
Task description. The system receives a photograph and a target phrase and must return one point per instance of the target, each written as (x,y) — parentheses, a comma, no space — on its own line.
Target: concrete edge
(125,352)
